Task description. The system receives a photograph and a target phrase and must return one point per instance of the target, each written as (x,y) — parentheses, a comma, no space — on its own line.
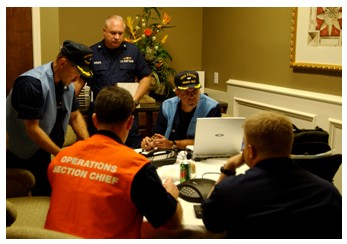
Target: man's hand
(157,141)
(146,143)
(234,162)
(171,188)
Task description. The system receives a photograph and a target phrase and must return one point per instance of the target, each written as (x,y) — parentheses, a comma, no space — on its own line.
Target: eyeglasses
(188,93)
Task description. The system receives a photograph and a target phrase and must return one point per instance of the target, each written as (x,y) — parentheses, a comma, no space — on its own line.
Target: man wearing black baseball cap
(80,55)
(175,127)
(39,108)
(187,80)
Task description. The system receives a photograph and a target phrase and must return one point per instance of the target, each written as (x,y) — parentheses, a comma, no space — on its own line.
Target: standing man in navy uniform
(115,60)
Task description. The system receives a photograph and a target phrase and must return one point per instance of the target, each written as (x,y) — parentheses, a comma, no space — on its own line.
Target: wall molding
(216,94)
(335,132)
(264,106)
(36,29)
(287,91)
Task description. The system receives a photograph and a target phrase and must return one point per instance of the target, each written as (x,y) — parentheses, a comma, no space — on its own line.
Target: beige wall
(85,25)
(251,44)
(49,33)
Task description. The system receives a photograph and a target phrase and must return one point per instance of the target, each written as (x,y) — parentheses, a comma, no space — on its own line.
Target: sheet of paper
(130,86)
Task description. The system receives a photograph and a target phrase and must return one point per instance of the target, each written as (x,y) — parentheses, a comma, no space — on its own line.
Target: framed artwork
(316,38)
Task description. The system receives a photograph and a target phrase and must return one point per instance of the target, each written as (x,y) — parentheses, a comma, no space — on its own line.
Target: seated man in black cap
(39,108)
(175,127)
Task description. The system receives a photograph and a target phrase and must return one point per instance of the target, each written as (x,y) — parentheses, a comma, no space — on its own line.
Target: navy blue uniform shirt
(275,199)
(110,66)
(27,99)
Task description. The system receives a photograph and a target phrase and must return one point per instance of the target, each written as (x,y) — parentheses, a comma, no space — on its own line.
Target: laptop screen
(218,137)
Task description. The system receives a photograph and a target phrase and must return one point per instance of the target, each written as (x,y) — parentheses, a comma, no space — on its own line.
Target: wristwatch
(174,146)
(136,103)
(226,171)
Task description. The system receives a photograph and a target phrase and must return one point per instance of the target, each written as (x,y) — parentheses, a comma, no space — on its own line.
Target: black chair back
(325,167)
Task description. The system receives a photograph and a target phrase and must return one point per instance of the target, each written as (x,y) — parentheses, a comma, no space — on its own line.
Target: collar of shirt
(110,134)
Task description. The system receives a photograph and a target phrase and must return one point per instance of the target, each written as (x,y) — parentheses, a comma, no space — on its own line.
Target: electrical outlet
(215,80)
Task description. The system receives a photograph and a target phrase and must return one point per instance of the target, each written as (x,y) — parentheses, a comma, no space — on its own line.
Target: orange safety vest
(91,184)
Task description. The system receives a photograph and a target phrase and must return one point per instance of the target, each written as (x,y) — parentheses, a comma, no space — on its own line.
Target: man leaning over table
(104,189)
(39,108)
(275,198)
(175,127)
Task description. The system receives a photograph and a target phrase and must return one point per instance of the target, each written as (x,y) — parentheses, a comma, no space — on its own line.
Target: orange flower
(148,31)
(148,37)
(166,19)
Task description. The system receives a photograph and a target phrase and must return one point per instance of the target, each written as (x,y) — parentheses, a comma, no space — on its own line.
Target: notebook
(218,137)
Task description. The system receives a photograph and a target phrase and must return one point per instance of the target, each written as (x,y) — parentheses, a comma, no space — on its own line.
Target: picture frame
(316,41)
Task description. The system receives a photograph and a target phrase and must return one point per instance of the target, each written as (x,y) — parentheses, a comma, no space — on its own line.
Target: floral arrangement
(143,31)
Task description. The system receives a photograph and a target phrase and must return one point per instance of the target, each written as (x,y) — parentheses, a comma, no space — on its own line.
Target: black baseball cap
(80,55)
(187,79)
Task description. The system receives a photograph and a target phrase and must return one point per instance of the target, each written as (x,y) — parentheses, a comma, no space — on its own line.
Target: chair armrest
(19,182)
(11,213)
(26,232)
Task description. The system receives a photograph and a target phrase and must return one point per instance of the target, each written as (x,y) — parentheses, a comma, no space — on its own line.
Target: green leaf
(158,59)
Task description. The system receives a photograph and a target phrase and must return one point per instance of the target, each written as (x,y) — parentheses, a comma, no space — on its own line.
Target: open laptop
(218,137)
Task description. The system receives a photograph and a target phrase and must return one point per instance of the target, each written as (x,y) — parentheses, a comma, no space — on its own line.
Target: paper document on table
(130,86)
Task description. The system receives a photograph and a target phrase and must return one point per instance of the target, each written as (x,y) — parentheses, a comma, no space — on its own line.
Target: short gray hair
(114,18)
